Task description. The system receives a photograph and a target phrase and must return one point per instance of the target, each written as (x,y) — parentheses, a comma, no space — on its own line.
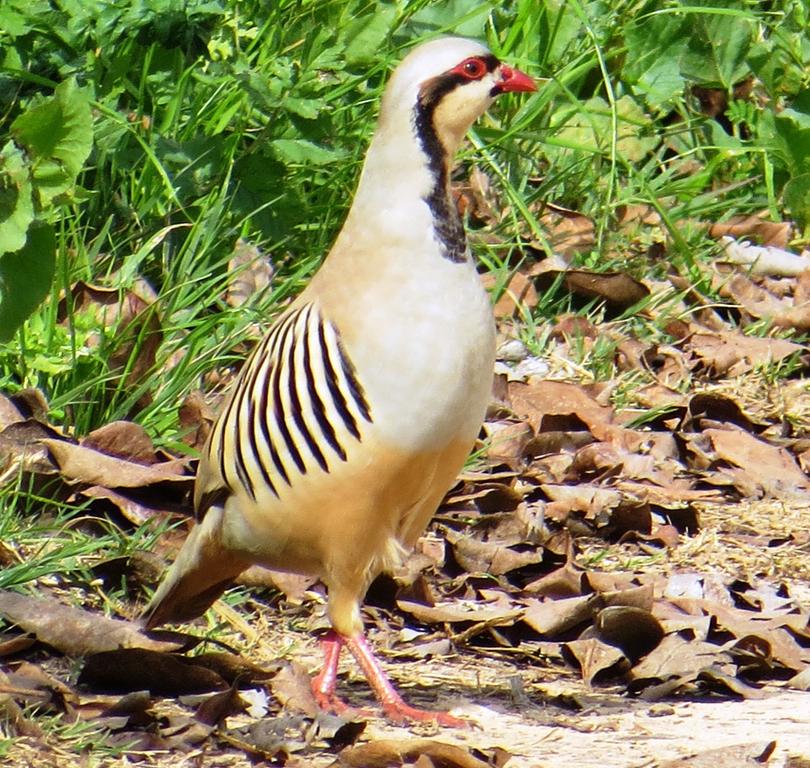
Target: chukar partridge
(353,416)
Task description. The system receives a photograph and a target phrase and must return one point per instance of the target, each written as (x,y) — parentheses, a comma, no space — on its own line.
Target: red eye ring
(473,68)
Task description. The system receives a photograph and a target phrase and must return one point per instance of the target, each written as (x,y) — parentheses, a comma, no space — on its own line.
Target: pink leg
(393,705)
(323,685)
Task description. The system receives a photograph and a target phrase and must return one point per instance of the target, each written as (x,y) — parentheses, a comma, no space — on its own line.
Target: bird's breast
(421,338)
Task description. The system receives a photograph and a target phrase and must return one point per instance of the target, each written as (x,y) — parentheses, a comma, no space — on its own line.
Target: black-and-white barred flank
(295,406)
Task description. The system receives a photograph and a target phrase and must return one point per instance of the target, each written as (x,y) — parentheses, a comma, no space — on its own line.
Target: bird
(354,414)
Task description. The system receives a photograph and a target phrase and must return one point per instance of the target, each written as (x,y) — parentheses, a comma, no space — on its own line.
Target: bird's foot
(399,712)
(329,702)
(393,705)
(323,685)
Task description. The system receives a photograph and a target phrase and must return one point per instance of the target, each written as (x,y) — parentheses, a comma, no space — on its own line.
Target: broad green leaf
(303,151)
(717,46)
(560,30)
(25,278)
(365,35)
(12,23)
(588,128)
(306,108)
(797,198)
(790,131)
(458,17)
(57,132)
(654,48)
(16,204)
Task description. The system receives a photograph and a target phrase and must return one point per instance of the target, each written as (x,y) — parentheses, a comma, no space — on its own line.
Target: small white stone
(256,699)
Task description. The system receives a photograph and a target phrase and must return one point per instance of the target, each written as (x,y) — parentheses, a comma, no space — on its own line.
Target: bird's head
(445,85)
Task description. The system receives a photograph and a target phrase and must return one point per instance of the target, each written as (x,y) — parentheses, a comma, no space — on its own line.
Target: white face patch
(461,107)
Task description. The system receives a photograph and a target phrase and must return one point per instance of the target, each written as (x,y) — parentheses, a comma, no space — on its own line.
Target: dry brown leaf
(761,303)
(552,618)
(250,273)
(634,214)
(292,688)
(573,327)
(517,299)
(196,419)
(9,412)
(617,289)
(73,631)
(12,715)
(130,318)
(474,197)
(566,581)
(219,706)
(713,407)
(503,610)
(556,405)
(85,465)
(124,440)
(631,628)
(679,659)
(492,557)
(768,467)
(591,500)
(594,657)
(137,669)
(383,753)
(673,619)
(507,440)
(30,404)
(137,509)
(730,353)
(567,232)
(293,585)
(776,233)
(730,756)
(21,449)
(34,684)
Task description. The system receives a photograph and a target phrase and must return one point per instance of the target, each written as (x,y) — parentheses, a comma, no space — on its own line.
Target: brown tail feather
(202,571)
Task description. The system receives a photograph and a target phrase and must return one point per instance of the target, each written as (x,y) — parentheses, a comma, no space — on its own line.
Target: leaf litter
(615,549)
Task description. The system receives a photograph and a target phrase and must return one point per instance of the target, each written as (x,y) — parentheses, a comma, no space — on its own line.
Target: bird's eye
(473,69)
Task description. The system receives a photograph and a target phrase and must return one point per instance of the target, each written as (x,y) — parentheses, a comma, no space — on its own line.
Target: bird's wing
(295,409)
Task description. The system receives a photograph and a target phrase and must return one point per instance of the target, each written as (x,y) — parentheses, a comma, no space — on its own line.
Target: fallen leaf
(761,303)
(677,658)
(553,618)
(73,631)
(196,419)
(730,353)
(219,706)
(390,753)
(766,232)
(86,465)
(250,273)
(515,298)
(135,669)
(770,468)
(594,657)
(729,756)
(462,610)
(123,440)
(568,232)
(635,631)
(554,405)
